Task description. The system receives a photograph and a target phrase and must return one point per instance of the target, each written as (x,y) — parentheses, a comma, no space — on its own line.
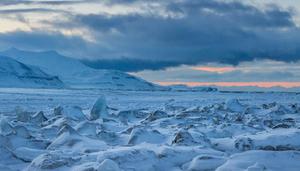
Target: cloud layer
(155,35)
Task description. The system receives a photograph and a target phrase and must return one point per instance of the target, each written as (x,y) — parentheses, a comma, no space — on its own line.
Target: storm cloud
(170,33)
(203,31)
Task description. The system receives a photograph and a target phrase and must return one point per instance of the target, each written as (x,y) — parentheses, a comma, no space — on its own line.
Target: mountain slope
(77,75)
(17,74)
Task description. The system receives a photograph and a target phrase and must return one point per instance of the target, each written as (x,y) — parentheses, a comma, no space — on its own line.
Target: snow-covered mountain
(17,74)
(77,75)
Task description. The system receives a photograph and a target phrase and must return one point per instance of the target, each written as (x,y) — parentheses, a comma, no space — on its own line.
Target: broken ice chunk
(140,135)
(99,109)
(50,161)
(244,144)
(70,140)
(183,137)
(73,112)
(58,110)
(22,116)
(156,115)
(5,127)
(39,118)
(22,131)
(27,154)
(204,162)
(234,105)
(108,165)
(87,128)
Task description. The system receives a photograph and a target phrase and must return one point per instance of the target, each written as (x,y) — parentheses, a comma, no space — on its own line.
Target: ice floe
(225,134)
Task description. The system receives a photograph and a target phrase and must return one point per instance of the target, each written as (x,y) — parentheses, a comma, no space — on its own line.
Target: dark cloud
(188,32)
(130,65)
(241,14)
(207,31)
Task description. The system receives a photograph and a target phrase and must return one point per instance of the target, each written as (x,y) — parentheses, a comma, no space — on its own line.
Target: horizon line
(261,84)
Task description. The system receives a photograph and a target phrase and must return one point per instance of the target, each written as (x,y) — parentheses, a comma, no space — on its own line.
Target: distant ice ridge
(184,88)
(16,74)
(77,75)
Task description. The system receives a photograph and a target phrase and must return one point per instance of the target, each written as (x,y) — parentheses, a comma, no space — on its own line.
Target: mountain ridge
(16,74)
(77,75)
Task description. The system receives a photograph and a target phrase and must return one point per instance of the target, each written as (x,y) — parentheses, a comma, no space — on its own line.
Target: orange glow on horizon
(236,84)
(214,69)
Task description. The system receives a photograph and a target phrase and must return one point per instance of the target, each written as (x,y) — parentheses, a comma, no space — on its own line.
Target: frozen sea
(64,129)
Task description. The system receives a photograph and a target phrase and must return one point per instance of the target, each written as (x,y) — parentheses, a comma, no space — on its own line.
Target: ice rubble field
(144,131)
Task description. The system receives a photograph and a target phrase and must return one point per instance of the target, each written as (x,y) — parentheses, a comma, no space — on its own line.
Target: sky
(193,42)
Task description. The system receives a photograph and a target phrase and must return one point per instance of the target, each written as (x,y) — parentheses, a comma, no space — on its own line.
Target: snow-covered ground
(48,129)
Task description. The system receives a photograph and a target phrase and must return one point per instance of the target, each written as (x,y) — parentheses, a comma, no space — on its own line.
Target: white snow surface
(53,129)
